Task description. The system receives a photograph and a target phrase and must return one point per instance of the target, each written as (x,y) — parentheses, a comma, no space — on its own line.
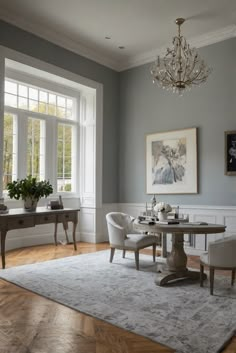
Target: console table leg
(74,239)
(55,234)
(65,226)
(3,239)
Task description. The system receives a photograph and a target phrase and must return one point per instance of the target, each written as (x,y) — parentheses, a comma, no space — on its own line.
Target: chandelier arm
(197,75)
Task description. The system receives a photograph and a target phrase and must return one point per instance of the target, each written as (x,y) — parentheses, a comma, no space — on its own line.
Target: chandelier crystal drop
(181,68)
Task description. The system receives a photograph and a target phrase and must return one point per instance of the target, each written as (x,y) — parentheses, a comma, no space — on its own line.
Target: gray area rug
(181,315)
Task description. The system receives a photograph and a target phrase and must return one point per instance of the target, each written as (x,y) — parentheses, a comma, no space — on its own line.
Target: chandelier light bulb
(181,68)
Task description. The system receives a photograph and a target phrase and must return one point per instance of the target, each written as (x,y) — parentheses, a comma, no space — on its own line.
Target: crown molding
(59,39)
(117,65)
(198,42)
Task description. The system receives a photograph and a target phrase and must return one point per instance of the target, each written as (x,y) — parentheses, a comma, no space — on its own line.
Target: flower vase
(162,216)
(30,204)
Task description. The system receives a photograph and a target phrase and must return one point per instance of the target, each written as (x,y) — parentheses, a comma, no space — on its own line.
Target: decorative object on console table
(230,152)
(3,208)
(55,205)
(29,190)
(171,162)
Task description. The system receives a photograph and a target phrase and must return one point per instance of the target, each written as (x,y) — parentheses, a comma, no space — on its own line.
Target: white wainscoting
(92,225)
(194,244)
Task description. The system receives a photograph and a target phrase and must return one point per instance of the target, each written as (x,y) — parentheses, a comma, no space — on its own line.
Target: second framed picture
(171,162)
(230,152)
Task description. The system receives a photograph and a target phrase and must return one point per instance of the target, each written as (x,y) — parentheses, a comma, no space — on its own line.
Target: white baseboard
(34,239)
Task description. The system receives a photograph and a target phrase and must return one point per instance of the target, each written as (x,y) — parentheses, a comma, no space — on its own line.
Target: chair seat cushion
(139,241)
(204,258)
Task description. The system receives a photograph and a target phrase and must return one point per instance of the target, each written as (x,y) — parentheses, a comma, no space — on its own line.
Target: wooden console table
(19,218)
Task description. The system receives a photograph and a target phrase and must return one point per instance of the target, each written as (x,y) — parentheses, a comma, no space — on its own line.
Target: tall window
(40,135)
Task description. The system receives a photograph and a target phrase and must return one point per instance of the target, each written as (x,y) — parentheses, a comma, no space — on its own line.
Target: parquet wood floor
(30,323)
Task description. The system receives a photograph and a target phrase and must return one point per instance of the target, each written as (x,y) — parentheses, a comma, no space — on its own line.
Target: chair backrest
(119,225)
(222,252)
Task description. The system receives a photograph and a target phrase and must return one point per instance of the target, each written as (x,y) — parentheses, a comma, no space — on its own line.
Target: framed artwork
(230,152)
(171,162)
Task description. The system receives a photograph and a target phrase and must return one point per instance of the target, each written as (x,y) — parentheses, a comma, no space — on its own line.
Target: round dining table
(176,262)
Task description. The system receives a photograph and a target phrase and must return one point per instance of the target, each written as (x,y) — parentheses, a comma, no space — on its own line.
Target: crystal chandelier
(181,68)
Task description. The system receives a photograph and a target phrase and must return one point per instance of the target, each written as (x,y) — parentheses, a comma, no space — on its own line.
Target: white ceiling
(143,27)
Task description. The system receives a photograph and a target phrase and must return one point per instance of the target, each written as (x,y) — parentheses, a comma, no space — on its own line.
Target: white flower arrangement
(162,207)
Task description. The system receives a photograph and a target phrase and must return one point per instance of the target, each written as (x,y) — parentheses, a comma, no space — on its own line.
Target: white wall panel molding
(39,235)
(195,244)
(92,226)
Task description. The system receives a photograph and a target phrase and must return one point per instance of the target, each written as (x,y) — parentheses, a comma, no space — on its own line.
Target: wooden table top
(186,228)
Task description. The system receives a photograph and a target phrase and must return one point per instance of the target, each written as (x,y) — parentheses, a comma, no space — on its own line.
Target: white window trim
(86,86)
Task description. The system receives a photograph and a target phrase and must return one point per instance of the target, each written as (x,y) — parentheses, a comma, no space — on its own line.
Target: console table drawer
(20,223)
(49,218)
(67,217)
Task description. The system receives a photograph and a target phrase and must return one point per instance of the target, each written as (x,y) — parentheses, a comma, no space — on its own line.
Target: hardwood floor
(30,323)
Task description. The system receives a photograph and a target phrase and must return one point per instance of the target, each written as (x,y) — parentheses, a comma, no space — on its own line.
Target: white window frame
(87,87)
(51,123)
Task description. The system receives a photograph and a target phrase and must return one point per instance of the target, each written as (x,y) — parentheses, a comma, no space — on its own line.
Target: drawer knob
(46,218)
(67,216)
(21,221)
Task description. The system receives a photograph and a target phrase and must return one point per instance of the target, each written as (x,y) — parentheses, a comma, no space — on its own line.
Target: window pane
(23,103)
(9,157)
(10,100)
(69,114)
(52,98)
(42,108)
(69,103)
(61,112)
(33,93)
(43,96)
(35,148)
(61,101)
(33,105)
(64,157)
(23,91)
(10,87)
(51,109)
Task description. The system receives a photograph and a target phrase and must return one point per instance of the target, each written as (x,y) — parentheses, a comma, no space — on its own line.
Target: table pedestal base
(167,276)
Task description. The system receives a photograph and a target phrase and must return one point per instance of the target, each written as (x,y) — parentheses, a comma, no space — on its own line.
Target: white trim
(36,239)
(59,39)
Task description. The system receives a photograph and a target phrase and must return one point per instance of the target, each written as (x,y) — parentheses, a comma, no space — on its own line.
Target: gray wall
(145,108)
(36,47)
(139,108)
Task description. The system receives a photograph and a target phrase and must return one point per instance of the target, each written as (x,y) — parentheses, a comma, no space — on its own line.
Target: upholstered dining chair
(221,255)
(122,236)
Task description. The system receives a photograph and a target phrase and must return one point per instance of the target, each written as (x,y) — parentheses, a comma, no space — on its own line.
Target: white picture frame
(171,162)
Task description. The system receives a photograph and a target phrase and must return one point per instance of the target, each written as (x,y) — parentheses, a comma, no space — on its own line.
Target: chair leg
(201,274)
(123,253)
(233,277)
(136,253)
(212,272)
(112,254)
(154,252)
